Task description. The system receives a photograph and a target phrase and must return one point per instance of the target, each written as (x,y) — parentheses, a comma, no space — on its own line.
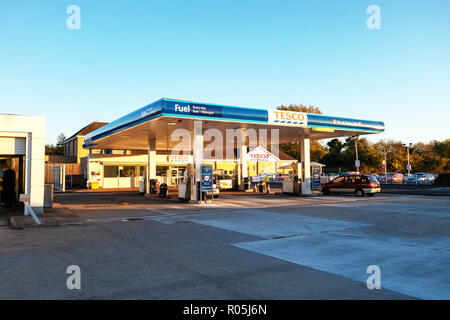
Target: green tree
(442,148)
(333,158)
(60,143)
(368,156)
(318,152)
(51,149)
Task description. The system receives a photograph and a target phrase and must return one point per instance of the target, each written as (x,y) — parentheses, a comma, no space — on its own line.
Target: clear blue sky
(247,53)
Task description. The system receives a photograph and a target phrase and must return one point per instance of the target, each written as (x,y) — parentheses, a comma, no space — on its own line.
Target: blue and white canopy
(159,118)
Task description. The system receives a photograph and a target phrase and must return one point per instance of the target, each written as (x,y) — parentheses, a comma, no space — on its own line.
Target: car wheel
(326,191)
(359,193)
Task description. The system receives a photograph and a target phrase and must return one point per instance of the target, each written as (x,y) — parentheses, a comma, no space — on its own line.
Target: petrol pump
(185,189)
(291,184)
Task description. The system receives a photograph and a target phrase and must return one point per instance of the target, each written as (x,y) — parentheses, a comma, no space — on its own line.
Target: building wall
(96,163)
(81,152)
(33,129)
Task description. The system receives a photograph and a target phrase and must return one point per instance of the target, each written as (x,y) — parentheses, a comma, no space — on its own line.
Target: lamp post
(408,166)
(357,163)
(385,161)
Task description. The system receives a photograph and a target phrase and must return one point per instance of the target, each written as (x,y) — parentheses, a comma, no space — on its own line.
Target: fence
(56,174)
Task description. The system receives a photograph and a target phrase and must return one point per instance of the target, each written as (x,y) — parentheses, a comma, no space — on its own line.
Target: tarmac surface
(241,247)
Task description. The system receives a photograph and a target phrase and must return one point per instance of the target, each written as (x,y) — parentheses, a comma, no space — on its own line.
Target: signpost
(316,177)
(207,179)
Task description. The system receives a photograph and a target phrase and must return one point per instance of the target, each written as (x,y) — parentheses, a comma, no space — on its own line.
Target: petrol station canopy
(157,121)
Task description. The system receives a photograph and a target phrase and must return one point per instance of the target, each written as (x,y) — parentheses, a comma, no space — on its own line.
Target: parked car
(409,179)
(224,181)
(421,178)
(359,184)
(391,178)
(425,178)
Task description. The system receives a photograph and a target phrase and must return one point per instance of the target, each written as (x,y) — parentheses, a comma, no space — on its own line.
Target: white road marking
(157,211)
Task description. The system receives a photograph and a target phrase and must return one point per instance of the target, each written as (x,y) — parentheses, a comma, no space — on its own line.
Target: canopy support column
(151,163)
(243,166)
(306,167)
(197,156)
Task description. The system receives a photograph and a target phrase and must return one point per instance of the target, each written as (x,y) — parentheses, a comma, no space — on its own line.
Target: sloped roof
(87,129)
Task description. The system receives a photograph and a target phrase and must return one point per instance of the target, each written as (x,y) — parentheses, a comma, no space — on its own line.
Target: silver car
(422,178)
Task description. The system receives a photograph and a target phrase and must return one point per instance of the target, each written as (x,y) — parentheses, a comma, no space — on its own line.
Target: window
(127,171)
(339,180)
(350,179)
(110,171)
(141,171)
(161,171)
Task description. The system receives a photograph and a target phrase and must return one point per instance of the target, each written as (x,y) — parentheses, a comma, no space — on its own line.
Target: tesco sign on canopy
(288,118)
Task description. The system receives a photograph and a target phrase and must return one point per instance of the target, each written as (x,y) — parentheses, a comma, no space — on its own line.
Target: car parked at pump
(327,177)
(359,184)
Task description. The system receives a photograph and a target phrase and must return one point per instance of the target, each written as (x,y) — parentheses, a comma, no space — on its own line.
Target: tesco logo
(182,108)
(259,156)
(286,115)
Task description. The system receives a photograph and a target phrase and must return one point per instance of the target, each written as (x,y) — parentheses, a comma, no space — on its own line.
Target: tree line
(57,149)
(339,155)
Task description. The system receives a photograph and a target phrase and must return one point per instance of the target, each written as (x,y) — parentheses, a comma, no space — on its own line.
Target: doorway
(16,163)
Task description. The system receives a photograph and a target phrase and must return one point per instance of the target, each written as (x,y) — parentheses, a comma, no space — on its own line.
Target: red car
(391,178)
(359,184)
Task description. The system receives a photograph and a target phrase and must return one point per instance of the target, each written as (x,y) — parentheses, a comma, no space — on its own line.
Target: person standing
(9,187)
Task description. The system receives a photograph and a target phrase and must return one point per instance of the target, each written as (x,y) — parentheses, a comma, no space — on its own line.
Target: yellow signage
(322,129)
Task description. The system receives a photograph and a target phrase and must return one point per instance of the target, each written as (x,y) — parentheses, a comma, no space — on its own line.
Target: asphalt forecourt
(129,204)
(237,248)
(433,190)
